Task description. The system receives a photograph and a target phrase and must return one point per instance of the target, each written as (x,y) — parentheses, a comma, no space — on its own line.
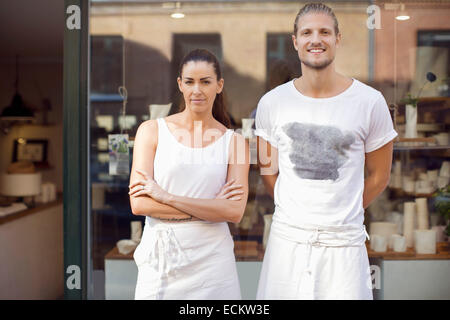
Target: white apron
(315,262)
(187,260)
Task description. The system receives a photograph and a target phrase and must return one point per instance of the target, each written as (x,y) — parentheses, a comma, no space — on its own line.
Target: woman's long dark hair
(219,110)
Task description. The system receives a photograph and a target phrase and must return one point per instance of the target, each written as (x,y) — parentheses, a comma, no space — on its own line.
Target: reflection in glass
(140,46)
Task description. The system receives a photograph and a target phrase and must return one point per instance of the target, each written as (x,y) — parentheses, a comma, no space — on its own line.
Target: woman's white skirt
(186,260)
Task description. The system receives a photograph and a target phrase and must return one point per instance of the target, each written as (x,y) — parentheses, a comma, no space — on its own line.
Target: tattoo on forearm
(174,219)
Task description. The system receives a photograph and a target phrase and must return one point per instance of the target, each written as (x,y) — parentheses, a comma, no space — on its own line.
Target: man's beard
(320,66)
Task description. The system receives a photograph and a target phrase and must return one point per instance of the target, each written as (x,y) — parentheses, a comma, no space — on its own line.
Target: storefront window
(138,46)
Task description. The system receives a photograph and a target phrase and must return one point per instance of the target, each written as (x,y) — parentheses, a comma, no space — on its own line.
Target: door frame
(76,152)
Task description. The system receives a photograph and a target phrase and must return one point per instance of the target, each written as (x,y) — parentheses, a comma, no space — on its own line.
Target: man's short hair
(316,8)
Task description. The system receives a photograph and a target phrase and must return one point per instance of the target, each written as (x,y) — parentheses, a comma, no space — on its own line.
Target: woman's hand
(230,191)
(148,187)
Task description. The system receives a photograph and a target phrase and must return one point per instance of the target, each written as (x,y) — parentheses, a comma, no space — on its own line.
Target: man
(315,135)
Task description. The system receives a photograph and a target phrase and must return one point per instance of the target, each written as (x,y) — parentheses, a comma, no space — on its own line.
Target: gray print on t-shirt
(317,152)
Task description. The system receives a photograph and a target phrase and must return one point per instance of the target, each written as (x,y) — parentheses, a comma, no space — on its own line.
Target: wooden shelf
(425,140)
(36,125)
(255,253)
(38,208)
(434,101)
(401,193)
(114,254)
(425,127)
(443,149)
(442,253)
(427,100)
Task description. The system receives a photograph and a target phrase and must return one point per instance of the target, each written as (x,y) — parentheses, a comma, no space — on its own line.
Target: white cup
(445,169)
(136,231)
(425,241)
(417,186)
(397,181)
(422,213)
(409,222)
(423,176)
(399,243)
(398,167)
(442,138)
(378,243)
(125,246)
(45,192)
(423,184)
(442,182)
(408,184)
(52,191)
(392,240)
(432,175)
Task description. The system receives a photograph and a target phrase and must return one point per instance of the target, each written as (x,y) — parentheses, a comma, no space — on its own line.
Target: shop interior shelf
(397,147)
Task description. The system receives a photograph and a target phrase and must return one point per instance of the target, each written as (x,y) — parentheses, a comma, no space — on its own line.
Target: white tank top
(190,172)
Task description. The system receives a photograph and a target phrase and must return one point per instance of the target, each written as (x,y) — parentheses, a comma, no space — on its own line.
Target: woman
(189,180)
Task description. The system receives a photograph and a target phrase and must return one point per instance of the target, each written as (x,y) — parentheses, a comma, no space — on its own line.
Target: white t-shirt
(321,146)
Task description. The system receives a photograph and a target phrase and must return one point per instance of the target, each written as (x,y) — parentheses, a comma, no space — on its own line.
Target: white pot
(411,121)
(398,243)
(136,231)
(445,169)
(378,243)
(409,221)
(425,241)
(125,246)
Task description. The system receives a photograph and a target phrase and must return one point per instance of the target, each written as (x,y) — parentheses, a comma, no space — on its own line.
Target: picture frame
(34,150)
